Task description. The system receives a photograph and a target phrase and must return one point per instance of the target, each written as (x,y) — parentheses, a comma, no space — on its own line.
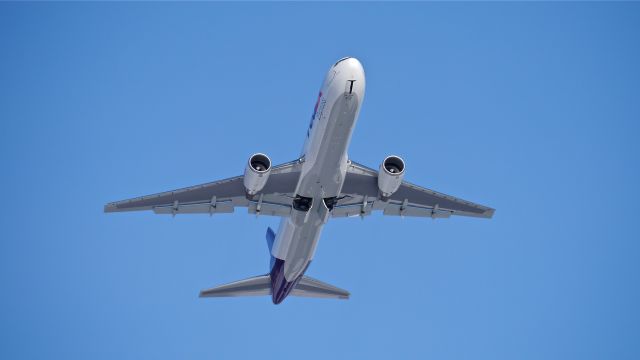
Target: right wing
(360,196)
(222,196)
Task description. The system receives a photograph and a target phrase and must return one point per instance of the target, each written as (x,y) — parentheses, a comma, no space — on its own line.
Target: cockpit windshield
(341,60)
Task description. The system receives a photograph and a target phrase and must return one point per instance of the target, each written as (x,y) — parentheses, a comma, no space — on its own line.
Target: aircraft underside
(321,184)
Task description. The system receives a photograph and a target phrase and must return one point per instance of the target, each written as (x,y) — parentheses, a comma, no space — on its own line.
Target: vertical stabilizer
(271,237)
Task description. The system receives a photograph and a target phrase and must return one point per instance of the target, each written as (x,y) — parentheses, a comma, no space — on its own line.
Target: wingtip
(207,293)
(489,213)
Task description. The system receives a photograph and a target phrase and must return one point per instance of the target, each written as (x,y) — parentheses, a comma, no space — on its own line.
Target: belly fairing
(324,168)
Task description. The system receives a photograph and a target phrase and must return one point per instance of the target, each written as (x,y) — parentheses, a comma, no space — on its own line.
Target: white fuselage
(324,166)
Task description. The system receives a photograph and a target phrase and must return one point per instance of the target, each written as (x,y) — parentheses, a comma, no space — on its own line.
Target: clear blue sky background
(531,108)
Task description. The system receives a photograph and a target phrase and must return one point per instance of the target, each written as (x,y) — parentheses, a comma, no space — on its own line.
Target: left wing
(222,196)
(360,196)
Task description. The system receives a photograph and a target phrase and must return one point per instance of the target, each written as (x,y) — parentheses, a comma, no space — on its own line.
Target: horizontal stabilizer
(255,286)
(310,287)
(261,285)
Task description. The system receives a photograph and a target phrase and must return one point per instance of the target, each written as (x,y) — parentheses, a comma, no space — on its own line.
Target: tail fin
(255,286)
(310,287)
(271,237)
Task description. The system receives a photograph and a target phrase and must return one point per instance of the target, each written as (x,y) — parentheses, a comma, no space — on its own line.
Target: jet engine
(390,175)
(256,173)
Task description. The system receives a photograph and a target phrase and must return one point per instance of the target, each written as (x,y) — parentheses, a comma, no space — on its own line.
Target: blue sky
(531,108)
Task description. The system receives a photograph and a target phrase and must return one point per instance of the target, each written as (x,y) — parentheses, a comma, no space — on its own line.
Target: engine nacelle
(256,173)
(390,175)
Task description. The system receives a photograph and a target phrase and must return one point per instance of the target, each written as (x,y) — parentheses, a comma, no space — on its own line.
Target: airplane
(322,183)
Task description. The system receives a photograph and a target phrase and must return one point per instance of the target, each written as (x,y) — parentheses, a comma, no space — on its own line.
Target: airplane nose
(347,77)
(352,75)
(350,68)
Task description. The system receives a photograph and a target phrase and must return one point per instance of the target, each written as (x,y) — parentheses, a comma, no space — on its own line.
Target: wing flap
(269,208)
(410,210)
(217,207)
(363,209)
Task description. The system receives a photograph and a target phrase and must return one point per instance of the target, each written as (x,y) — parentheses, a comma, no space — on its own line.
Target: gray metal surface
(255,286)
(261,286)
(220,196)
(408,200)
(299,233)
(325,178)
(310,287)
